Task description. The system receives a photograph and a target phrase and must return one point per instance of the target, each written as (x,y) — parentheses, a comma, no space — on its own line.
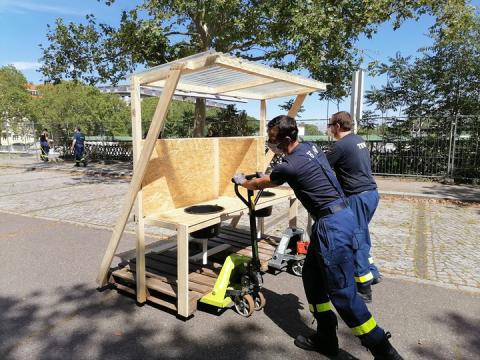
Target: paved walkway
(392,186)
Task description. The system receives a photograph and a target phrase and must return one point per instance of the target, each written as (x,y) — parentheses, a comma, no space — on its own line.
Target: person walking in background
(44,145)
(350,158)
(78,147)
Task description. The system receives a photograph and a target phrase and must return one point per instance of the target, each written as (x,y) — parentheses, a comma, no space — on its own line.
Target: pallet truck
(292,249)
(290,252)
(240,280)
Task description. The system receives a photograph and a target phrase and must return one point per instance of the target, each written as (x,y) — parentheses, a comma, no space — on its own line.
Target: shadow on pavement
(284,310)
(467,337)
(84,324)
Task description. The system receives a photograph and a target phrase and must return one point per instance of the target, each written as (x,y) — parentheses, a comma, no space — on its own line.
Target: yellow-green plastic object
(217,296)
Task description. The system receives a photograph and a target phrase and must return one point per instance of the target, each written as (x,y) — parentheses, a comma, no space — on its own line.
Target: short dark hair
(287,126)
(78,128)
(342,118)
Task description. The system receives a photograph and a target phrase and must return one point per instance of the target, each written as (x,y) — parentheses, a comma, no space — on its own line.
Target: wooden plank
(198,287)
(155,284)
(297,104)
(136,182)
(207,270)
(182,270)
(158,267)
(293,213)
(136,109)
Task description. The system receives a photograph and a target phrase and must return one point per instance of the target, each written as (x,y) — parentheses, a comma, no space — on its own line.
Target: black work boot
(365,292)
(324,341)
(384,350)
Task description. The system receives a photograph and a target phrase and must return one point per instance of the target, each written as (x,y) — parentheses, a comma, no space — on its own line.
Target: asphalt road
(50,309)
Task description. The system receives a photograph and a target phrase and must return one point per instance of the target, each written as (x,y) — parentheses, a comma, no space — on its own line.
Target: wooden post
(139,173)
(182,271)
(136,108)
(293,213)
(263,118)
(296,105)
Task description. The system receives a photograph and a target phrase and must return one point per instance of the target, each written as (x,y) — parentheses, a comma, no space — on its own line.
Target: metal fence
(439,147)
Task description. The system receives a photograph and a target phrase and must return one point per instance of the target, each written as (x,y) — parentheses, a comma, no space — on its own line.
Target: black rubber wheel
(244,305)
(297,267)
(260,301)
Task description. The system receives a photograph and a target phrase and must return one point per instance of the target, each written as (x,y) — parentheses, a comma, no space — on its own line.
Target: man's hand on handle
(239,178)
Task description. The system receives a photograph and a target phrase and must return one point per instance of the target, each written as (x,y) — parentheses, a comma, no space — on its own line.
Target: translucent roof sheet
(219,74)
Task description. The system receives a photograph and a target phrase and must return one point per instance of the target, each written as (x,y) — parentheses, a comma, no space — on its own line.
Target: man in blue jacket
(78,147)
(328,271)
(350,158)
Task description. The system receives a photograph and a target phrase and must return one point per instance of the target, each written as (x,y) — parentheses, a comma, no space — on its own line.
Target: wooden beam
(263,118)
(182,271)
(243,85)
(293,212)
(136,109)
(137,178)
(297,104)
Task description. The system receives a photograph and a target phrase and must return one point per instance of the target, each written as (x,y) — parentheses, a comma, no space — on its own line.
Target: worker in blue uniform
(328,272)
(44,145)
(350,158)
(78,146)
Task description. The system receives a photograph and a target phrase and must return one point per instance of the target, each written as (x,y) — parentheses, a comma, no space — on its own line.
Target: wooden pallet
(161,269)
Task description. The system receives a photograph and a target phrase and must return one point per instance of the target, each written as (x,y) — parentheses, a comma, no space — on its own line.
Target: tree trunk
(200,114)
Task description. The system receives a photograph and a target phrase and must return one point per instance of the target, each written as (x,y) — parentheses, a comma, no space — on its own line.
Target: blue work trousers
(328,276)
(78,152)
(363,206)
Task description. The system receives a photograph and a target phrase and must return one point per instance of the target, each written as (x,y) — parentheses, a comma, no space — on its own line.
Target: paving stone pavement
(419,239)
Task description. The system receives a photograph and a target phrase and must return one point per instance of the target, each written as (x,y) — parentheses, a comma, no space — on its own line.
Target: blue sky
(23,26)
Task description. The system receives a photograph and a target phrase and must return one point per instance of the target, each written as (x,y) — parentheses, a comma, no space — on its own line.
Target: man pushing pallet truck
(328,273)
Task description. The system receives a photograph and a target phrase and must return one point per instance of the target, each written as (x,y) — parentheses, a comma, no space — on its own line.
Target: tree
(443,79)
(14,100)
(311,129)
(317,36)
(231,122)
(64,106)
(180,117)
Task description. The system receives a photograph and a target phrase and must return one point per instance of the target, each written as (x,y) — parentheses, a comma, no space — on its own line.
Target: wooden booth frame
(207,73)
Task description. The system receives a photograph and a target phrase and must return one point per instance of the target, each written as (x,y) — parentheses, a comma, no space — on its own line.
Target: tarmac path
(54,229)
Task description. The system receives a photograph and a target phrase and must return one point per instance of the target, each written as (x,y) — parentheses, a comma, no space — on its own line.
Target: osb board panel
(245,155)
(180,172)
(183,172)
